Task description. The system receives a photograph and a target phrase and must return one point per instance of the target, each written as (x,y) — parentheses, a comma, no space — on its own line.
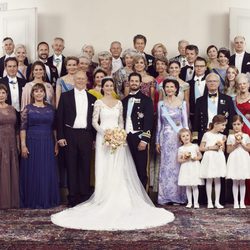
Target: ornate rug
(192,229)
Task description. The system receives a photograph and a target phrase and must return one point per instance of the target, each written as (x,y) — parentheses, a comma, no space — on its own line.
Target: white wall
(99,22)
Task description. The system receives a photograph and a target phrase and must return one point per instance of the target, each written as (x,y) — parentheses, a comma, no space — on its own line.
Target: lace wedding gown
(119,201)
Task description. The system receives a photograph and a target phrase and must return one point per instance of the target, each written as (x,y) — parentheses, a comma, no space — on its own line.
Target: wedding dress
(119,201)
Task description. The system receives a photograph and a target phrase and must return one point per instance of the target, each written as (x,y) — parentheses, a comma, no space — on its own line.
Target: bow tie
(212,95)
(13,82)
(190,67)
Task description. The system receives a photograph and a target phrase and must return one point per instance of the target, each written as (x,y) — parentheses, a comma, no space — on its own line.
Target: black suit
(183,73)
(2,59)
(21,83)
(53,74)
(192,100)
(79,146)
(63,69)
(225,107)
(142,122)
(245,63)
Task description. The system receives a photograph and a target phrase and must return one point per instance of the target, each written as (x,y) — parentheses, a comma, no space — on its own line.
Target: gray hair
(212,74)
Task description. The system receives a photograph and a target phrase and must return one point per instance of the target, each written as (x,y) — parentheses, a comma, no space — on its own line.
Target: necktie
(184,62)
(57,61)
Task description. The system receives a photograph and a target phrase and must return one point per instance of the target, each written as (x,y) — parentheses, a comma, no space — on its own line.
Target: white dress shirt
(81,101)
(211,114)
(239,60)
(14,93)
(200,83)
(190,73)
(116,64)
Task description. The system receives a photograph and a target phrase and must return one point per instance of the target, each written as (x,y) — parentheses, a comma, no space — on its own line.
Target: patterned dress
(167,137)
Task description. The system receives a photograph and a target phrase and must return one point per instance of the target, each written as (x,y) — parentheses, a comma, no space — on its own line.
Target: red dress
(245,109)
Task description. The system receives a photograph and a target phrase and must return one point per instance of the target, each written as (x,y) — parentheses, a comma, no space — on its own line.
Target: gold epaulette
(147,134)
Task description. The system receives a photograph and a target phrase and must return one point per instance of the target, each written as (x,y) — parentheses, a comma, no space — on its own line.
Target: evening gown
(245,110)
(119,201)
(38,173)
(9,169)
(169,190)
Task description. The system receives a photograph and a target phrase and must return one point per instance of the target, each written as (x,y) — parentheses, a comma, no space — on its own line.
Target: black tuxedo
(79,146)
(53,74)
(245,63)
(184,73)
(63,69)
(142,122)
(192,99)
(21,83)
(2,59)
(225,107)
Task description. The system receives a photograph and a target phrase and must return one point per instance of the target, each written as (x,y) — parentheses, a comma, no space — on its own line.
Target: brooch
(222,102)
(226,114)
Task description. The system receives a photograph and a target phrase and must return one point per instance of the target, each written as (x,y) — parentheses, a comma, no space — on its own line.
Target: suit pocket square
(248,63)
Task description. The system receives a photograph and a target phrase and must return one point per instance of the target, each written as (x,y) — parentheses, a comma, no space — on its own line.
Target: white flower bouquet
(114,138)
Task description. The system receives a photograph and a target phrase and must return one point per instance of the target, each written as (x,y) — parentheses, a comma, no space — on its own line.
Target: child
(238,164)
(213,164)
(189,176)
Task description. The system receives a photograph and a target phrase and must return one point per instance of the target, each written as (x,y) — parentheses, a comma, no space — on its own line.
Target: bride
(119,202)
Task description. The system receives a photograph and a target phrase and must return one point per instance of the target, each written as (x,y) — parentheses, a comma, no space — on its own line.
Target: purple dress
(167,137)
(38,173)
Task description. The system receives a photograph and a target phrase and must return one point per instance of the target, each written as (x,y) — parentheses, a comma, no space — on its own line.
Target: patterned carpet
(192,229)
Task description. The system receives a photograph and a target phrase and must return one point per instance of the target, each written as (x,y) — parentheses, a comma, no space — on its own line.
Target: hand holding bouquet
(238,137)
(219,144)
(187,155)
(114,138)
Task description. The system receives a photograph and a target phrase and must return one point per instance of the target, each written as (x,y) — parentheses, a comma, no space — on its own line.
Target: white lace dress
(119,201)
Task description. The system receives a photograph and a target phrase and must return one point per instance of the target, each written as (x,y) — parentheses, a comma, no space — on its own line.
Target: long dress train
(119,201)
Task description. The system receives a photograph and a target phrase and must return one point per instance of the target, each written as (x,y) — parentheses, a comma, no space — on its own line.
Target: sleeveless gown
(119,201)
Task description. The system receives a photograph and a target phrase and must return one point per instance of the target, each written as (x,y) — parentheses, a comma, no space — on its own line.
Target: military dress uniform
(138,117)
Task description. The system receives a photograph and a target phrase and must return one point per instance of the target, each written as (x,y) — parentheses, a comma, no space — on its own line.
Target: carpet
(203,228)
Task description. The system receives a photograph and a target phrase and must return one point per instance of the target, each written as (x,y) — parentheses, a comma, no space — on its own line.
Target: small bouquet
(219,144)
(114,138)
(238,136)
(187,155)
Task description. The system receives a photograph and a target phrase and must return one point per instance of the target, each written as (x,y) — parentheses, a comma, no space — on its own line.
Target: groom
(75,134)
(138,118)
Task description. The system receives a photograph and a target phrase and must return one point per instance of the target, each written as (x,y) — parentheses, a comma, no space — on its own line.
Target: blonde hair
(184,130)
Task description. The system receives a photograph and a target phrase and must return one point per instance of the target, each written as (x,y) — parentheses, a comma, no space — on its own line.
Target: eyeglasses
(199,66)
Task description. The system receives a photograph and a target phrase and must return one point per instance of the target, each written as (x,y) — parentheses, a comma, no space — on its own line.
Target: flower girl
(189,176)
(238,164)
(213,164)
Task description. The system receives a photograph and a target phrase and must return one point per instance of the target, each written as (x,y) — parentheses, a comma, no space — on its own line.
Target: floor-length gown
(167,138)
(119,201)
(9,169)
(38,172)
(245,110)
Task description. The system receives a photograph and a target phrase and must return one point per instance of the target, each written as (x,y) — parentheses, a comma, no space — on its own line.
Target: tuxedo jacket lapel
(72,102)
(244,62)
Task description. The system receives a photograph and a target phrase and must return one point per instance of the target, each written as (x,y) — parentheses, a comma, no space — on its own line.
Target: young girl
(213,164)
(189,176)
(238,164)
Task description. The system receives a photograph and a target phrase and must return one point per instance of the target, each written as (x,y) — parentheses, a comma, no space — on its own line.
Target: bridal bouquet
(114,138)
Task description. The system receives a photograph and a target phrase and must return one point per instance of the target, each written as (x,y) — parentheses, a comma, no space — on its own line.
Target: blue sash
(21,74)
(170,120)
(239,113)
(212,106)
(64,85)
(197,92)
